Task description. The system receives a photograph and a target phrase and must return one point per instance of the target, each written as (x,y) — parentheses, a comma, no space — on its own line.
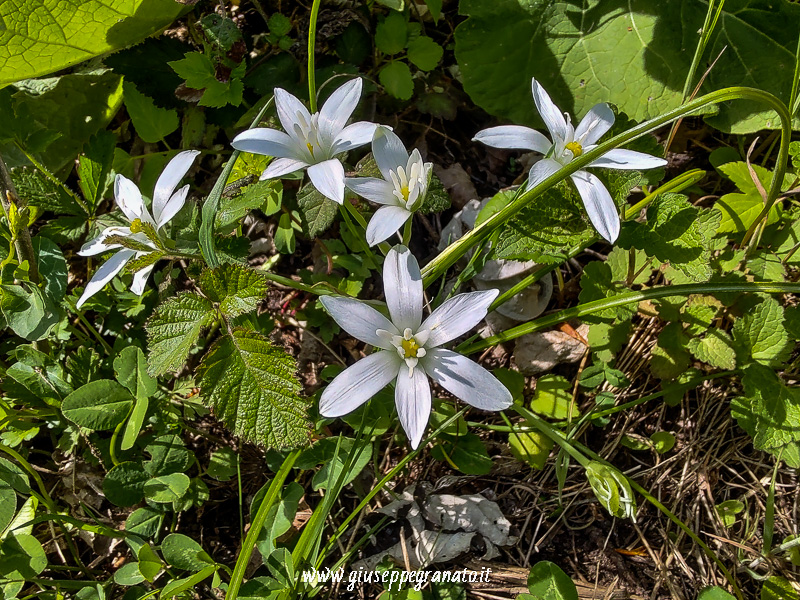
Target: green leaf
(52,266)
(324,452)
(280,517)
(144,522)
(728,510)
(222,464)
(467,453)
(168,455)
(530,447)
(200,74)
(94,166)
(284,235)
(778,588)
(124,484)
(396,78)
(553,398)
(28,312)
(669,357)
(128,574)
(135,422)
(716,349)
(354,45)
(252,387)
(761,333)
(770,412)
(630,53)
(152,123)
(51,35)
(279,25)
(8,505)
(42,192)
(184,553)
(547,581)
(318,211)
(715,593)
(391,34)
(663,441)
(98,405)
(265,196)
(130,369)
(676,233)
(425,53)
(166,488)
(149,562)
(174,329)
(220,30)
(235,288)
(176,586)
(21,557)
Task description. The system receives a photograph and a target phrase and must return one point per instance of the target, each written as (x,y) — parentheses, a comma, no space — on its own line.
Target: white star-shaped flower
(402,189)
(409,349)
(568,143)
(166,204)
(311,141)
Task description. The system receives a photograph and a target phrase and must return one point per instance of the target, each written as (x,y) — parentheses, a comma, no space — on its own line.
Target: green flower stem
(457,249)
(580,453)
(22,242)
(588,308)
(407,231)
(208,245)
(273,493)
(79,313)
(312,42)
(675,185)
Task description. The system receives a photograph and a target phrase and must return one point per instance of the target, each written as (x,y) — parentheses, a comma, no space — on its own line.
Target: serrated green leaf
(42,192)
(630,53)
(762,335)
(252,387)
(716,349)
(676,233)
(766,266)
(221,30)
(265,196)
(279,24)
(236,288)
(318,211)
(173,330)
(151,122)
(425,53)
(51,35)
(196,68)
(396,78)
(94,166)
(391,34)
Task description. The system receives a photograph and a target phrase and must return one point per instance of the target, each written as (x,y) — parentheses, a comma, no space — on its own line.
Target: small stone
(541,351)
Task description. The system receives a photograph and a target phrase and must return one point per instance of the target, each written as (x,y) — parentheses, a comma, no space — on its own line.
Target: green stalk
(312,42)
(457,249)
(210,207)
(675,185)
(258,522)
(595,306)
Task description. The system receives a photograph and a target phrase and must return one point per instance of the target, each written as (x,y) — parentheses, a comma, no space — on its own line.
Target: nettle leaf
(318,211)
(173,330)
(253,388)
(50,35)
(761,333)
(629,53)
(151,122)
(676,233)
(236,288)
(739,210)
(265,196)
(770,412)
(716,349)
(42,192)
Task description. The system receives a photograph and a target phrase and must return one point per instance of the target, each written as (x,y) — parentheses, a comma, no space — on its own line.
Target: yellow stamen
(404,192)
(575,148)
(310,149)
(137,226)
(410,348)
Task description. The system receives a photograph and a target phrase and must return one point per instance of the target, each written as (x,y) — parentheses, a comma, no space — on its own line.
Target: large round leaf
(183,552)
(166,488)
(124,484)
(98,405)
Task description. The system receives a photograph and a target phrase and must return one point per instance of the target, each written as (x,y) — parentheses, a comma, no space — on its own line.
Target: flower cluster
(408,349)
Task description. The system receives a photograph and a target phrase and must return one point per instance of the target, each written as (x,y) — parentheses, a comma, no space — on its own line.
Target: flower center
(404,192)
(410,348)
(575,148)
(310,147)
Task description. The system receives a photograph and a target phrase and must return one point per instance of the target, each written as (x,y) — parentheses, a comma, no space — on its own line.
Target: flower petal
(140,280)
(288,107)
(129,198)
(402,285)
(359,320)
(457,316)
(358,383)
(628,159)
(388,151)
(553,118)
(339,107)
(594,125)
(386,221)
(466,379)
(98,244)
(373,189)
(353,136)
(169,179)
(173,205)
(514,137)
(269,142)
(282,166)
(107,271)
(598,203)
(541,171)
(328,178)
(412,397)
